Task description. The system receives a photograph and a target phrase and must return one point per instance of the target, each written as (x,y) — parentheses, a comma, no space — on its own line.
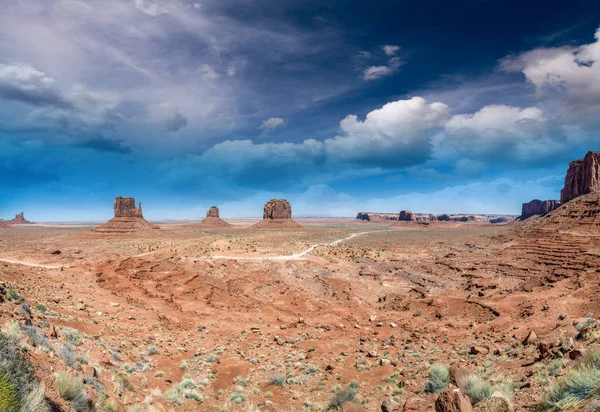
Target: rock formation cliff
(538,207)
(125,207)
(406,216)
(212,219)
(376,217)
(277,214)
(19,220)
(128,218)
(583,177)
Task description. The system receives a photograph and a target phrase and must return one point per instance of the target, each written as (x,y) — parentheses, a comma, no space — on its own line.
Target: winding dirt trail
(34,265)
(300,255)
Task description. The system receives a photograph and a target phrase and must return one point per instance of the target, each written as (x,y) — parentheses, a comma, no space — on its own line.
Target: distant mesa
(19,220)
(128,218)
(212,219)
(406,216)
(277,215)
(538,207)
(376,217)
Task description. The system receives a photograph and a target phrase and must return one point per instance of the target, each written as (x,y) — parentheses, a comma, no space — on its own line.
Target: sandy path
(35,265)
(300,255)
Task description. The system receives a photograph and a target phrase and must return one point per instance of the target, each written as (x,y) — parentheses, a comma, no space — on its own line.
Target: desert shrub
(238,397)
(36,336)
(9,396)
(348,394)
(16,372)
(277,380)
(67,353)
(477,389)
(192,394)
(71,389)
(35,400)
(152,350)
(13,295)
(72,336)
(439,378)
(41,308)
(578,384)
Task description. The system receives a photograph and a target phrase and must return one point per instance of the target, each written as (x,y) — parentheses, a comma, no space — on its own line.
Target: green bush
(348,394)
(16,372)
(439,378)
(9,396)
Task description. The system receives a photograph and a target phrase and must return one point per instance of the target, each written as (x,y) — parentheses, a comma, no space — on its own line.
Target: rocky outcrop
(376,217)
(500,220)
(19,220)
(443,218)
(4,224)
(580,215)
(125,207)
(406,216)
(277,214)
(213,220)
(538,207)
(583,177)
(128,218)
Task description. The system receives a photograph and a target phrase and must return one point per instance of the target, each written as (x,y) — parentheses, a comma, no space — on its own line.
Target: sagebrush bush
(17,372)
(9,396)
(578,384)
(477,389)
(348,394)
(439,378)
(71,389)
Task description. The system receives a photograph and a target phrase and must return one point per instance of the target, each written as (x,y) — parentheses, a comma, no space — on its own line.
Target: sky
(340,106)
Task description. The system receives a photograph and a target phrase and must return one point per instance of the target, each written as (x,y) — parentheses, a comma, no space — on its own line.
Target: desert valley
(385,312)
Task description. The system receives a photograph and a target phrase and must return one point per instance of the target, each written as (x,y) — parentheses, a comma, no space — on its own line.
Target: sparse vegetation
(347,394)
(578,384)
(439,378)
(71,389)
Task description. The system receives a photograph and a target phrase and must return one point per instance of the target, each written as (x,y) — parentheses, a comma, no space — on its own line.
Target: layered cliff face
(277,214)
(128,218)
(406,216)
(538,207)
(125,207)
(583,177)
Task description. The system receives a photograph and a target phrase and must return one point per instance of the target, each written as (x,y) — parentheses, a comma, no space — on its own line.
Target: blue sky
(339,106)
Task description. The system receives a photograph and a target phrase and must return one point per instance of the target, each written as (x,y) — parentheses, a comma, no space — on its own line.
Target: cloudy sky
(338,105)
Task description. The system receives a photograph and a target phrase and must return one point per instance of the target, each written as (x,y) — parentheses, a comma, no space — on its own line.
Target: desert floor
(239,319)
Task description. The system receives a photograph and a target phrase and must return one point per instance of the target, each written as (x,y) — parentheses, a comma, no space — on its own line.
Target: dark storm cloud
(104,145)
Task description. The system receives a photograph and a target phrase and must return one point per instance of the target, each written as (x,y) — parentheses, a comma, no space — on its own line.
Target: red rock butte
(128,218)
(19,220)
(277,215)
(212,219)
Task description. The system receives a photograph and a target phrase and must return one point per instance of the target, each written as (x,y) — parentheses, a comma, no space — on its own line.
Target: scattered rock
(452,399)
(530,338)
(498,402)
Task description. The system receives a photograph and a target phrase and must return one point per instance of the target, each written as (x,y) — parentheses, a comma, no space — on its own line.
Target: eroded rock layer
(213,220)
(406,215)
(375,217)
(125,207)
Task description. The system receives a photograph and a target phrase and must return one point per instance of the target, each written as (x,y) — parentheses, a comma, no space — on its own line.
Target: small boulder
(453,400)
(458,375)
(389,405)
(352,407)
(530,338)
(498,402)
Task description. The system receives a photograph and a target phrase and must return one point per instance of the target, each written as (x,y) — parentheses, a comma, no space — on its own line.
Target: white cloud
(390,50)
(149,8)
(271,124)
(501,133)
(377,72)
(572,72)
